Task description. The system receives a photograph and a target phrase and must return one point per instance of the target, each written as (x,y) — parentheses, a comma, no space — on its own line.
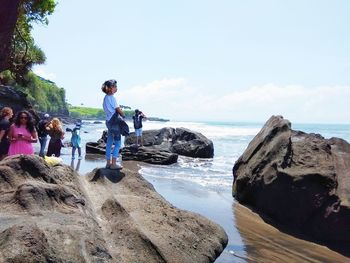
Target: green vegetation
(25,53)
(43,94)
(93,113)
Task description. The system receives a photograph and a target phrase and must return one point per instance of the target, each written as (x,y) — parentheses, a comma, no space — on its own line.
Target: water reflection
(264,243)
(77,167)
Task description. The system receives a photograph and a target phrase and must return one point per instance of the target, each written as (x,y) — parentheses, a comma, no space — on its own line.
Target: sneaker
(116,167)
(108,166)
(80,157)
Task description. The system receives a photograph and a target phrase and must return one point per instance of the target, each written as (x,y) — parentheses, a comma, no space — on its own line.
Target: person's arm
(62,135)
(34,137)
(11,133)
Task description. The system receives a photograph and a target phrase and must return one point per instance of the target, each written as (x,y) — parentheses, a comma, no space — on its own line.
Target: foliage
(37,10)
(92,113)
(43,94)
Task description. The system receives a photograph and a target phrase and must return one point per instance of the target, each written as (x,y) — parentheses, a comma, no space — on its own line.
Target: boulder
(300,181)
(151,154)
(51,214)
(15,99)
(160,146)
(180,141)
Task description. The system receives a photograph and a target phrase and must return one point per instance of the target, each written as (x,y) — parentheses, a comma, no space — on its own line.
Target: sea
(201,185)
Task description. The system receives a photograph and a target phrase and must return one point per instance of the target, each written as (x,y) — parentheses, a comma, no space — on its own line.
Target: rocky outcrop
(51,214)
(180,141)
(298,180)
(15,99)
(151,154)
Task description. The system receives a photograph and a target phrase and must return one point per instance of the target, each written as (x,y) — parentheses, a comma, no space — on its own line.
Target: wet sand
(250,238)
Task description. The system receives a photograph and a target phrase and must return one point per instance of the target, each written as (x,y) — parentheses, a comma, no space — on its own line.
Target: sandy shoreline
(250,238)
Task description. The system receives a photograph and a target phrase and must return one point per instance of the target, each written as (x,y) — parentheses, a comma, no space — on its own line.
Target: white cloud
(177,99)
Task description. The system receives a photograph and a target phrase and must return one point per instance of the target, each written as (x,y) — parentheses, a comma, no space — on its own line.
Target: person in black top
(5,116)
(138,125)
(42,133)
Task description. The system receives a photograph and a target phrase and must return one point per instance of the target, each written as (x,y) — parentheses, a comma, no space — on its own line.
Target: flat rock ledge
(51,214)
(300,181)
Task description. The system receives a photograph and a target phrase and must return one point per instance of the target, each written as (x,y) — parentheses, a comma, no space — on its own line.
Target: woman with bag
(110,107)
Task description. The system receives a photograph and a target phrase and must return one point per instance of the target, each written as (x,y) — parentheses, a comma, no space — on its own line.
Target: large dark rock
(15,99)
(151,154)
(160,146)
(51,214)
(180,140)
(298,180)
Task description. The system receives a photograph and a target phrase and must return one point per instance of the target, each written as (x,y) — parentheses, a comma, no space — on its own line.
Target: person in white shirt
(110,106)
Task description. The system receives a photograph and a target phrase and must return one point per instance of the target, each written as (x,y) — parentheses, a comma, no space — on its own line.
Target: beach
(204,187)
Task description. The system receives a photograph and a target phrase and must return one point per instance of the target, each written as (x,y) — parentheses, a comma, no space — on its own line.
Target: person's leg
(115,154)
(73,152)
(117,145)
(140,135)
(137,136)
(42,141)
(79,152)
(109,145)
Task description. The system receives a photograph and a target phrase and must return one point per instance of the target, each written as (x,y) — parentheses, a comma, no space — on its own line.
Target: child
(138,126)
(76,140)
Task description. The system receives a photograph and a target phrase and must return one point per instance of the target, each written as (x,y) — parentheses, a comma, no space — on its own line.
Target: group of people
(18,136)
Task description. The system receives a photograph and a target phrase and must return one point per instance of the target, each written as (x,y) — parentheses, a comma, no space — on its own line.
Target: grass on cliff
(43,94)
(92,113)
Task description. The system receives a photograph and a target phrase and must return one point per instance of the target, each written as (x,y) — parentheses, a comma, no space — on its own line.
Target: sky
(190,60)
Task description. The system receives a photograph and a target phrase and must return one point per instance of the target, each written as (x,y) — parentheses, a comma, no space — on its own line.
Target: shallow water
(204,186)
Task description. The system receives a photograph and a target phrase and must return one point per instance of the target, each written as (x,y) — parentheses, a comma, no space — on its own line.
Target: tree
(8,18)
(23,53)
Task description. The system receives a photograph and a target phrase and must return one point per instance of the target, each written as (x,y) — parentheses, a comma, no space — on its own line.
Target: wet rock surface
(51,214)
(300,181)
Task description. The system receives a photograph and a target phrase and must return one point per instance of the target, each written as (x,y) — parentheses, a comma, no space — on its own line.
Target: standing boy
(138,126)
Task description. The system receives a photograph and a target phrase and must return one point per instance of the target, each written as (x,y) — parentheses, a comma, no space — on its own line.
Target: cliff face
(8,19)
(10,97)
(298,180)
(51,214)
